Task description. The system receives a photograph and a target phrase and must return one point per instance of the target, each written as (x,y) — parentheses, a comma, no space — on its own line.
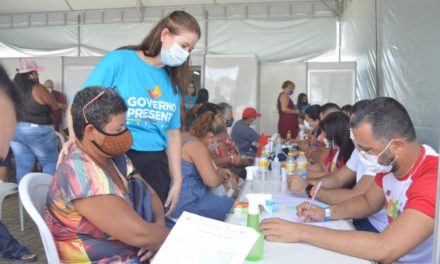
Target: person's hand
(172,199)
(303,145)
(314,214)
(226,174)
(145,254)
(275,229)
(245,161)
(297,185)
(65,150)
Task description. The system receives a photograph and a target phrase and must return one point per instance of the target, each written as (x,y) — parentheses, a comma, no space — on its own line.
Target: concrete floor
(30,237)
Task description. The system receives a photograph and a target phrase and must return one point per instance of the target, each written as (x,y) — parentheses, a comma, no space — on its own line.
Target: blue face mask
(290,92)
(175,56)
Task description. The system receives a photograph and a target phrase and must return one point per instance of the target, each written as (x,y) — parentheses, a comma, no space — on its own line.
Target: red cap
(250,112)
(28,65)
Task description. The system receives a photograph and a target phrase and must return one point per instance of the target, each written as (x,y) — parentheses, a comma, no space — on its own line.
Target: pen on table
(314,196)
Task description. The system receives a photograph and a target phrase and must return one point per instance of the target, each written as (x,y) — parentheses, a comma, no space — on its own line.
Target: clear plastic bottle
(301,164)
(276,167)
(290,164)
(289,135)
(263,166)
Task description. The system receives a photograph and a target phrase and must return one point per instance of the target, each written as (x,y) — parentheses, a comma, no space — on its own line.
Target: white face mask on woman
(174,56)
(307,125)
(371,162)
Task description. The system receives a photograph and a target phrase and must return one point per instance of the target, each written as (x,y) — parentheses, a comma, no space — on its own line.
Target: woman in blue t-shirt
(148,76)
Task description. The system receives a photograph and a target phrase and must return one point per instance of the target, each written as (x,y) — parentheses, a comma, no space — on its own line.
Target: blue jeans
(8,245)
(34,142)
(364,225)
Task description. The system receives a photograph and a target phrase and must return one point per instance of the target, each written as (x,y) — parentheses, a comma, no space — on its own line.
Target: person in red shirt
(406,183)
(61,100)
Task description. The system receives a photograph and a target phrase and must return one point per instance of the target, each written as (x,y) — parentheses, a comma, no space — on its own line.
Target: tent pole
(436,246)
(79,36)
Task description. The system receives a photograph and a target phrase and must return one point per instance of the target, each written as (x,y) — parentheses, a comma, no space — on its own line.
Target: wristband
(309,189)
(327,214)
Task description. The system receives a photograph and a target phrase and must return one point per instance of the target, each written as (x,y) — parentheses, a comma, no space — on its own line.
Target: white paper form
(200,240)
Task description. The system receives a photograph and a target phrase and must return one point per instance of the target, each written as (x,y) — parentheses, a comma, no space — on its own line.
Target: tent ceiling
(32,6)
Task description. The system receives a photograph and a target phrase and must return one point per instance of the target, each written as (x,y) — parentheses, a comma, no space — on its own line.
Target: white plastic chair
(6,189)
(33,190)
(61,140)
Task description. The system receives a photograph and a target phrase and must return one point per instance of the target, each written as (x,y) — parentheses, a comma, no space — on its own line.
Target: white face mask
(191,90)
(175,56)
(371,162)
(327,143)
(307,125)
(352,136)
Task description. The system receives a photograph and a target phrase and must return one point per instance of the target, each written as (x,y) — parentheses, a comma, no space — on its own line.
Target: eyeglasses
(89,103)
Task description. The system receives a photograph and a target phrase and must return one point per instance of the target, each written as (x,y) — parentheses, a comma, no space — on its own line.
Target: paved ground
(30,237)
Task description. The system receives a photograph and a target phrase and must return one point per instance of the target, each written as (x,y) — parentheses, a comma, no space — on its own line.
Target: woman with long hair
(149,77)
(200,174)
(302,102)
(335,133)
(35,137)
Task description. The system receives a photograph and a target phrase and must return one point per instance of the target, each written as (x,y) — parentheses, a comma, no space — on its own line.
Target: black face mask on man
(229,122)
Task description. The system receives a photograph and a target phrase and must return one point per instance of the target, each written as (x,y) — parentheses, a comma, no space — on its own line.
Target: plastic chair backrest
(33,189)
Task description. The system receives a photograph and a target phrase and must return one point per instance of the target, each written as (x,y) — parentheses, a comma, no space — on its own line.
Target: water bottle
(263,166)
(301,164)
(290,164)
(276,166)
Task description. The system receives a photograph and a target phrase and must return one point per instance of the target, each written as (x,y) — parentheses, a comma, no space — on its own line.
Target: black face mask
(229,122)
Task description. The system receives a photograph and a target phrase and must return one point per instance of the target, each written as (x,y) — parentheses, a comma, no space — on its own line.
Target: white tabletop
(297,253)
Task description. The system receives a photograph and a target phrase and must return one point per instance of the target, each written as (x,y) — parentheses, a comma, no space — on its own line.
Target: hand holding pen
(307,212)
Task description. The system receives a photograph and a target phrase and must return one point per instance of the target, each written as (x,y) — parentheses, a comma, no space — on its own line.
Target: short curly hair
(97,113)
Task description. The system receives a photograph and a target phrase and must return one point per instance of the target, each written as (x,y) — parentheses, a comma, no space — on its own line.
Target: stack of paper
(200,240)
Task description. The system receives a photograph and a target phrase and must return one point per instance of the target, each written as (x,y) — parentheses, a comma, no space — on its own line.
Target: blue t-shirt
(243,136)
(189,101)
(153,107)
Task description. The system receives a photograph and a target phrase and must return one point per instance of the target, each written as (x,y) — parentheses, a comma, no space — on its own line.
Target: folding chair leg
(21,215)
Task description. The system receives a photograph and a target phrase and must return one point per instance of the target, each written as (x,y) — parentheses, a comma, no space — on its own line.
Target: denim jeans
(8,245)
(34,142)
(364,225)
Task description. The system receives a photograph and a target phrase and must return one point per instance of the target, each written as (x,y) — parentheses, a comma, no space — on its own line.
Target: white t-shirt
(417,191)
(379,219)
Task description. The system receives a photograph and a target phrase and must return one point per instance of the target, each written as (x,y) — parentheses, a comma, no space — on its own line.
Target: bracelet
(309,189)
(327,214)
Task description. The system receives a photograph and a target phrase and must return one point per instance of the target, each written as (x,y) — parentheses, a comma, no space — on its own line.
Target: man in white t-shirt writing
(338,186)
(406,184)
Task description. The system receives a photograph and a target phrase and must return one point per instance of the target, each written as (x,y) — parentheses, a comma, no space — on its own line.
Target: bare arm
(357,207)
(335,196)
(174,163)
(401,236)
(42,96)
(200,156)
(340,178)
(125,225)
(284,101)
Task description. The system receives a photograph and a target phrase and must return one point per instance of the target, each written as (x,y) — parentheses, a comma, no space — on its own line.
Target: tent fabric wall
(407,57)
(359,44)
(275,40)
(295,39)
